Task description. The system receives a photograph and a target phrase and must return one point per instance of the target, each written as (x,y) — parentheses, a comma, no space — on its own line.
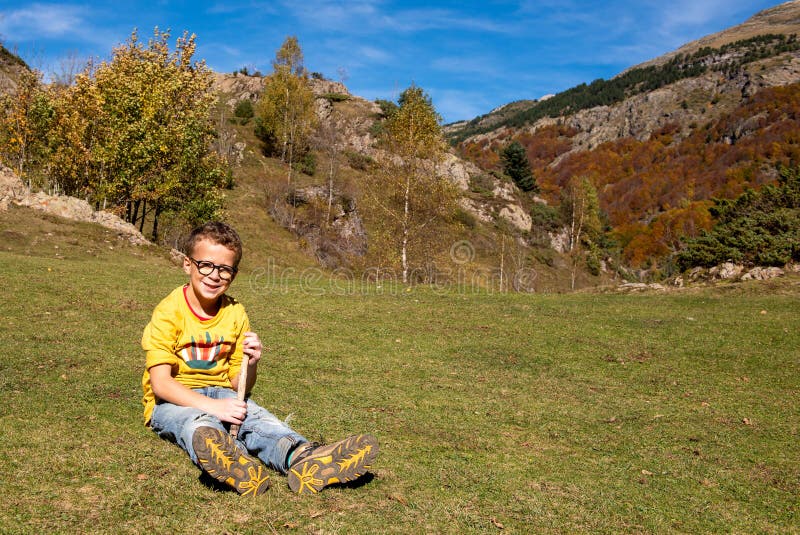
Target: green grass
(538,413)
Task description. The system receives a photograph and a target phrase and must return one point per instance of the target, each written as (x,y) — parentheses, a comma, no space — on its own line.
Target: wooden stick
(241,390)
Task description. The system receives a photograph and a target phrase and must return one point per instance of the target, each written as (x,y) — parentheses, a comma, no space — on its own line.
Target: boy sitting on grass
(195,343)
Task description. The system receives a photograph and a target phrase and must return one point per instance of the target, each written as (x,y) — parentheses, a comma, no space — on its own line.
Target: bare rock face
(514,214)
(559,241)
(761,273)
(458,171)
(684,103)
(725,271)
(12,189)
(239,86)
(479,210)
(328,87)
(346,236)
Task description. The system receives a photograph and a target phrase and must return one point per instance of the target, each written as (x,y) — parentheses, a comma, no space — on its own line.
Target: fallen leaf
(141,477)
(647,473)
(399,499)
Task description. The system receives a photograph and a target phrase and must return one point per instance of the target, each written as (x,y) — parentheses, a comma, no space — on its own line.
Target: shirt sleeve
(159,338)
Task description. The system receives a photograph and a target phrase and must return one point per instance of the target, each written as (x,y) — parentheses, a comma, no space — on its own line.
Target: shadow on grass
(210,483)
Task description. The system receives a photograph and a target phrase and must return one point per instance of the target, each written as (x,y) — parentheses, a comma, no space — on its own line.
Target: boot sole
(219,456)
(349,460)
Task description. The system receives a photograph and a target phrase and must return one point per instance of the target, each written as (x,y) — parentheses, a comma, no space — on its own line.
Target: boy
(196,343)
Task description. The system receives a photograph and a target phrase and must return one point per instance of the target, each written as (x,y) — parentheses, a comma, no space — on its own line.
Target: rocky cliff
(685,103)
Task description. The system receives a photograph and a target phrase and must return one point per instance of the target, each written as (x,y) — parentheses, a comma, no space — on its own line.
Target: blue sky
(470,56)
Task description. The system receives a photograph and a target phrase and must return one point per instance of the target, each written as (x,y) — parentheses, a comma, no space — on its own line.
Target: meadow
(507,413)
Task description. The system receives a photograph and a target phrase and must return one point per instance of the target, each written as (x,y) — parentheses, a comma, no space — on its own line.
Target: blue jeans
(261,433)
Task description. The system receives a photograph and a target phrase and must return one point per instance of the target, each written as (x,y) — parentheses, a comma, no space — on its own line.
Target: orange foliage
(653,191)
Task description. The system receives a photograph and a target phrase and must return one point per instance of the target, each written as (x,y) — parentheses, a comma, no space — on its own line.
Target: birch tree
(581,213)
(286,108)
(410,198)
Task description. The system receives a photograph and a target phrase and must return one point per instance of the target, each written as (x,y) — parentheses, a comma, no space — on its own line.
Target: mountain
(647,151)
(660,140)
(11,66)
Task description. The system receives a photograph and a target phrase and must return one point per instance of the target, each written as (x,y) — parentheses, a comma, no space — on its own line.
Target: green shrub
(482,183)
(308,163)
(244,111)
(388,108)
(336,97)
(466,218)
(759,228)
(358,161)
(545,217)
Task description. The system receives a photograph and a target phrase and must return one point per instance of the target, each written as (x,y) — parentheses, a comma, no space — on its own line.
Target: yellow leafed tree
(410,202)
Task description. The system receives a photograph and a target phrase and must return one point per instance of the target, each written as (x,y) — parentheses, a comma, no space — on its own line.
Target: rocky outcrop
(351,123)
(458,171)
(336,243)
(238,87)
(13,190)
(762,274)
(11,68)
(680,105)
(730,272)
(517,216)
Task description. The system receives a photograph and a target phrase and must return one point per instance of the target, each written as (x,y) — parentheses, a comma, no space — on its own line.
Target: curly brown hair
(217,232)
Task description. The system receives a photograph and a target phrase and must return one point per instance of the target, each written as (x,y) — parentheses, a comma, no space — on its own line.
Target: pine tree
(516,166)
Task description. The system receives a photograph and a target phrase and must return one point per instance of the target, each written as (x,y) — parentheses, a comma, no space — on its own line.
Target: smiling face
(206,290)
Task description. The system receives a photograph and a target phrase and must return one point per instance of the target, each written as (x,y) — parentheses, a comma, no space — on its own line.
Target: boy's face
(208,288)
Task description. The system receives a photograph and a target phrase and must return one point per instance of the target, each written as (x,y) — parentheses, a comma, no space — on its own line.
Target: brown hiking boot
(219,456)
(316,467)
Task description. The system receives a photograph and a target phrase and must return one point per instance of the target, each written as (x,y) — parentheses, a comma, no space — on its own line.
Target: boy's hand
(229,410)
(252,347)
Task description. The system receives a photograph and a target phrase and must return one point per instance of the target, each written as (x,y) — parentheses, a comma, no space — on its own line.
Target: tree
(758,228)
(581,213)
(286,111)
(516,165)
(156,147)
(406,191)
(24,121)
(327,139)
(135,133)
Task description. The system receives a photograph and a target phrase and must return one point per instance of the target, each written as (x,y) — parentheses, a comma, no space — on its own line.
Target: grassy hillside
(258,179)
(526,413)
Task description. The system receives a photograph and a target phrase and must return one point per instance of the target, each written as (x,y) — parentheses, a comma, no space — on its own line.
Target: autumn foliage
(654,192)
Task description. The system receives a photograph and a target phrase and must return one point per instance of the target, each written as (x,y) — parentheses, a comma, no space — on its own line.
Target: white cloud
(42,21)
(484,67)
(372,53)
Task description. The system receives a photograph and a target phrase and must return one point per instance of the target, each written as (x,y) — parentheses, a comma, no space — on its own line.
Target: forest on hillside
(656,192)
(726,59)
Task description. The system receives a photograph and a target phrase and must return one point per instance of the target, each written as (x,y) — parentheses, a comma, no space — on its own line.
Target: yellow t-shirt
(202,352)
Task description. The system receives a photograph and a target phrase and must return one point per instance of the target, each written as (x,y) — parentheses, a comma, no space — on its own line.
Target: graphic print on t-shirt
(203,353)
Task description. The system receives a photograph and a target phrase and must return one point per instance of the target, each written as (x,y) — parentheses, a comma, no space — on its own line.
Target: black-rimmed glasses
(204,267)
